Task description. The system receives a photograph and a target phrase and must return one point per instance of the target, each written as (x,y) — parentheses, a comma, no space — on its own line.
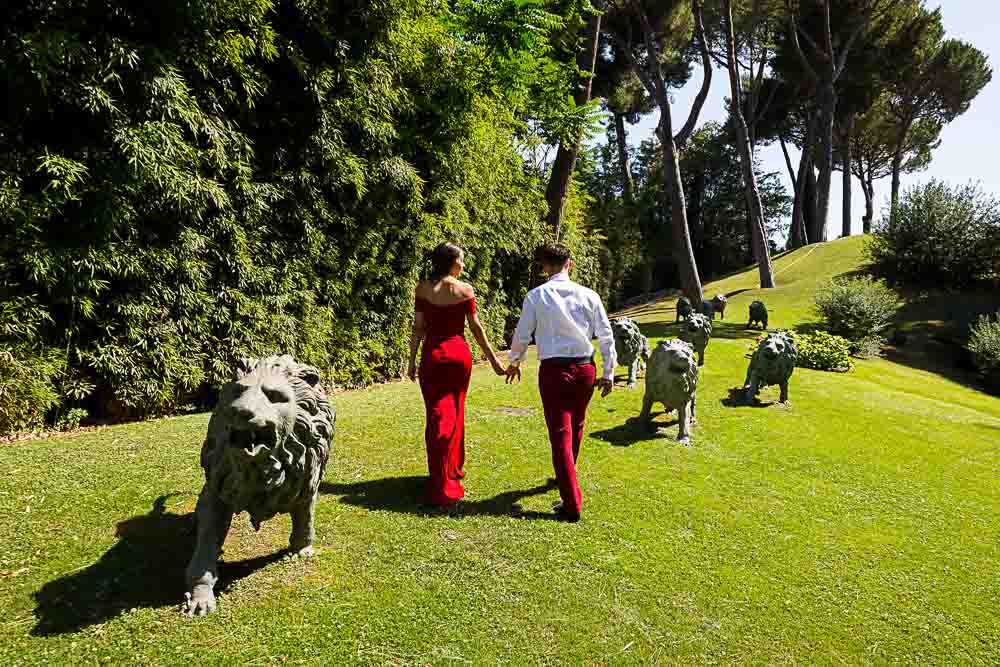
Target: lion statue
(267,446)
(631,347)
(684,308)
(772,363)
(758,314)
(672,379)
(719,303)
(697,331)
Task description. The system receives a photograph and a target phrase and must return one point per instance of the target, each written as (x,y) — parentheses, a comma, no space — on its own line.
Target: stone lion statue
(697,331)
(772,363)
(267,446)
(631,347)
(719,303)
(672,379)
(684,308)
(758,314)
(707,309)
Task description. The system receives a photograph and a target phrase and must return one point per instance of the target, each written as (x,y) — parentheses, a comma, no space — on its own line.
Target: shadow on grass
(632,432)
(737,399)
(724,329)
(144,569)
(403,494)
(934,327)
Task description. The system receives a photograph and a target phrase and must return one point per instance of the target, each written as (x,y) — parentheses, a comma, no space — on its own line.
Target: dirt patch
(516,412)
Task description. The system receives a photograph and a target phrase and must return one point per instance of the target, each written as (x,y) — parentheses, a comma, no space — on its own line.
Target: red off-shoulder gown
(445,369)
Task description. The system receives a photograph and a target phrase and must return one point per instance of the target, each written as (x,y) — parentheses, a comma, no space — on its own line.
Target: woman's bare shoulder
(464,290)
(423,289)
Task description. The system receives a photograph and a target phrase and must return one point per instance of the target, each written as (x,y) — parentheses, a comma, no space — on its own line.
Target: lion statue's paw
(199,602)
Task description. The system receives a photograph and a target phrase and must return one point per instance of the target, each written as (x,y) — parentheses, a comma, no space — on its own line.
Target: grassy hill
(857,524)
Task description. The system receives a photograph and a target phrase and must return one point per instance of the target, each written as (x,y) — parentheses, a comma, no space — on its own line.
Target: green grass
(857,524)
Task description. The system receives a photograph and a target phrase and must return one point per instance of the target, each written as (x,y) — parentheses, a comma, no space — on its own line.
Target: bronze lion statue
(772,363)
(684,308)
(672,379)
(719,303)
(631,347)
(697,330)
(265,453)
(758,315)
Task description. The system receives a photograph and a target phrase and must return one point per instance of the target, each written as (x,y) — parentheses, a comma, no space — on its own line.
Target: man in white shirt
(564,318)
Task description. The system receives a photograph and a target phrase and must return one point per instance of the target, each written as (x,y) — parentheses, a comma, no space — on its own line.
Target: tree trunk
(869,190)
(828,107)
(687,267)
(758,236)
(565,162)
(628,185)
(848,138)
(788,163)
(799,233)
(813,229)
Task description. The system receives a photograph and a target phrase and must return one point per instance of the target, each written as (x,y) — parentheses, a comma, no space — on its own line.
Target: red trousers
(566,390)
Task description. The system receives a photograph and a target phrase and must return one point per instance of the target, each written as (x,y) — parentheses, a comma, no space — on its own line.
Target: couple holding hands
(563,316)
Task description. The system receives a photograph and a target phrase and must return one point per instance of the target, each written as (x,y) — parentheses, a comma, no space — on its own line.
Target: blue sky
(970,146)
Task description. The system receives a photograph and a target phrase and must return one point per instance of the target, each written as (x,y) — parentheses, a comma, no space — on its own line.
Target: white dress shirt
(564,317)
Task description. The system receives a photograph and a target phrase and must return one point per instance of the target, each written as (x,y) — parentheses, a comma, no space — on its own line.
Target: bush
(984,343)
(868,347)
(28,388)
(232,189)
(941,236)
(71,420)
(822,351)
(856,308)
(817,350)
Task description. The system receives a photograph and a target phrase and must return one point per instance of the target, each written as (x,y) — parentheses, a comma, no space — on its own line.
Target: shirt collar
(562,275)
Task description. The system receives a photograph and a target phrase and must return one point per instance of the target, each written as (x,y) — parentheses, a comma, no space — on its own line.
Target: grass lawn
(857,524)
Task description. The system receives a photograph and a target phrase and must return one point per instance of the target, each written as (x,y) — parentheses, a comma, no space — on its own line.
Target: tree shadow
(733,330)
(736,292)
(632,432)
(932,330)
(737,399)
(144,569)
(403,495)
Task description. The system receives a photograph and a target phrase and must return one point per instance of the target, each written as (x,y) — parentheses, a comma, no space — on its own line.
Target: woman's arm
(484,343)
(416,335)
(479,332)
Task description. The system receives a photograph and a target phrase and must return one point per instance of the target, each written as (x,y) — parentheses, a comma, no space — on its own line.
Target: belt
(566,361)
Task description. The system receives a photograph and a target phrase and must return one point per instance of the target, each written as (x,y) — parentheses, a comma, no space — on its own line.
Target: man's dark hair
(554,254)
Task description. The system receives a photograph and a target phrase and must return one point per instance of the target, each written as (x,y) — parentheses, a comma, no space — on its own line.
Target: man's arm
(605,340)
(521,339)
(522,334)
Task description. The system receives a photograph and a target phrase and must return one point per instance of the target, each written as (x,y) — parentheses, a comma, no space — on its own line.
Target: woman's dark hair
(443,258)
(554,254)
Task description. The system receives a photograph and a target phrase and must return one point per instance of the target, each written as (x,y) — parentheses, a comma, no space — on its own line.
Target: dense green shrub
(185,183)
(856,308)
(822,351)
(28,388)
(817,350)
(940,235)
(984,343)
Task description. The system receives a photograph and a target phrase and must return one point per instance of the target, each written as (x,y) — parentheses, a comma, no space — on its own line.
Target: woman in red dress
(443,304)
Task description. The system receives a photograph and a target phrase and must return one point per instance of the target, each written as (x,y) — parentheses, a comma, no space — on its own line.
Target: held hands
(606,386)
(513,374)
(497,365)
